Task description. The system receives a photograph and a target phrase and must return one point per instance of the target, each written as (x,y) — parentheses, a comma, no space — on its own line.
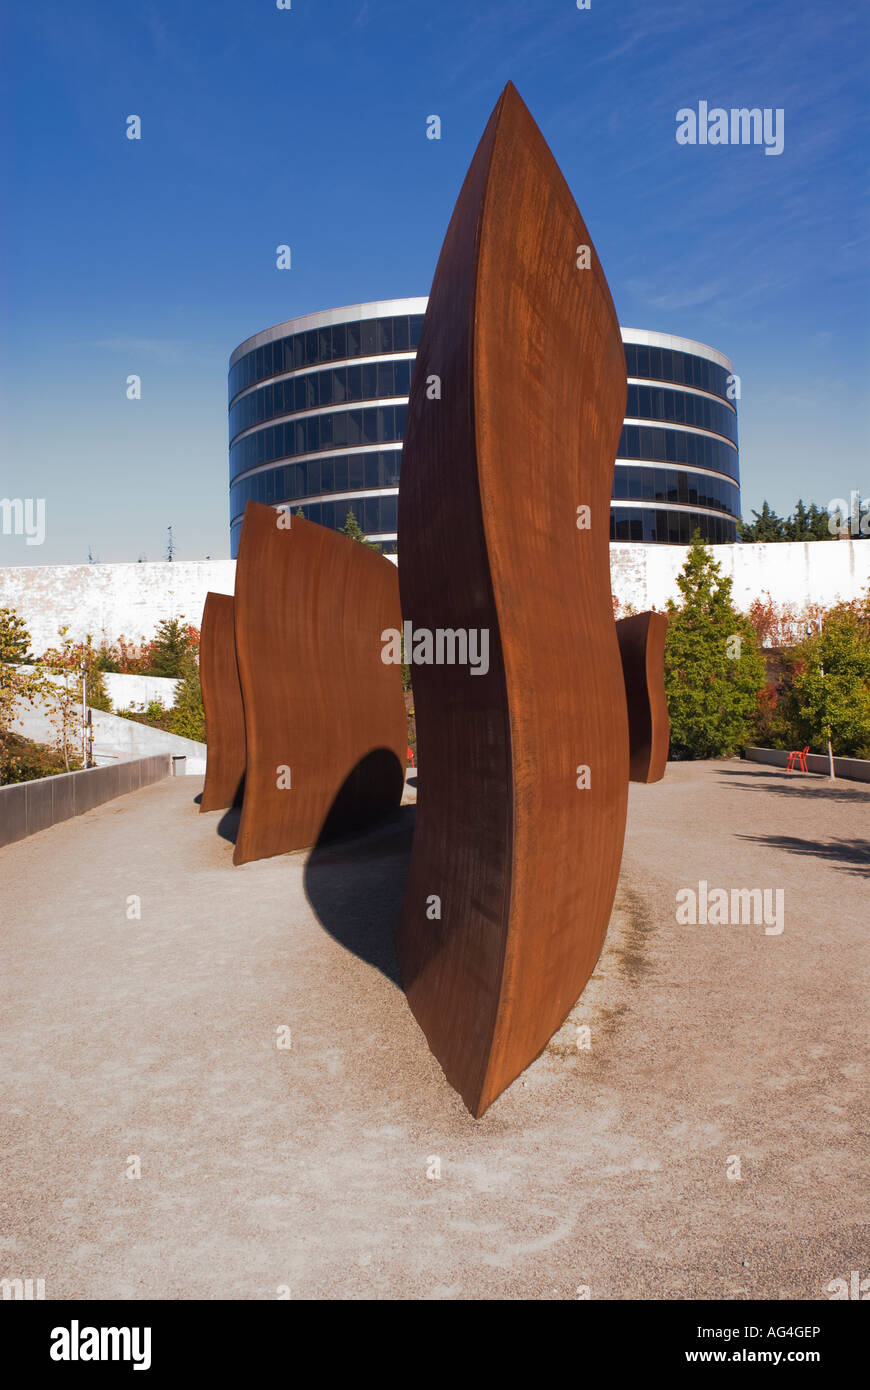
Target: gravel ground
(604,1168)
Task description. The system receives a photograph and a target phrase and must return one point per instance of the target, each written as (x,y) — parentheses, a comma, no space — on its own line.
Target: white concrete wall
(793,573)
(115,739)
(111,600)
(137,692)
(132,692)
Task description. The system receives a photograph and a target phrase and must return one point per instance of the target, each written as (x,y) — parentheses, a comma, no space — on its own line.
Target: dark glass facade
(317,413)
(666,527)
(677,461)
(317,416)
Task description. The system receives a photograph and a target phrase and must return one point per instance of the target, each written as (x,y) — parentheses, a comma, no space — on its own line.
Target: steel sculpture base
(642,648)
(222,703)
(517,402)
(324,716)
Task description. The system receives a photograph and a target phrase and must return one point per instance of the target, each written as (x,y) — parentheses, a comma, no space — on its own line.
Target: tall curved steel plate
(222,703)
(324,716)
(517,849)
(642,648)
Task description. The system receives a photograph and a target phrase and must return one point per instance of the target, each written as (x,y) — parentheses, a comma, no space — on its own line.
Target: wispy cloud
(170,352)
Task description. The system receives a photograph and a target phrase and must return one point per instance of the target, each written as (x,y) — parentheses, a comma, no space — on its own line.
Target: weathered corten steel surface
(533,389)
(642,648)
(322,710)
(222,703)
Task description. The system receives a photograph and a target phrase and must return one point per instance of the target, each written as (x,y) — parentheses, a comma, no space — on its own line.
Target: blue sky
(307,126)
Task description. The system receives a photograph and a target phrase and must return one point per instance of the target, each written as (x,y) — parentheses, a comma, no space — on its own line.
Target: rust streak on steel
(642,648)
(532,396)
(324,715)
(222,703)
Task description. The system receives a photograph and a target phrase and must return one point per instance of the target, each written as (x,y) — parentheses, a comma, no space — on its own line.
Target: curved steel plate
(514,865)
(222,703)
(324,716)
(642,648)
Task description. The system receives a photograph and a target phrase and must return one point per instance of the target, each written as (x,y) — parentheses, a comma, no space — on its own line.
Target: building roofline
(644,337)
(387,308)
(374,309)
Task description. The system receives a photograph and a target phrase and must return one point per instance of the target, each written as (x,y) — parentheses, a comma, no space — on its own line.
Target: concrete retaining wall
(137,692)
(115,739)
(110,600)
(132,692)
(853,769)
(26,807)
(793,573)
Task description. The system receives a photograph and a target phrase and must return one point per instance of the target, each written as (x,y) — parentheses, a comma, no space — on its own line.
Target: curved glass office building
(676,466)
(317,411)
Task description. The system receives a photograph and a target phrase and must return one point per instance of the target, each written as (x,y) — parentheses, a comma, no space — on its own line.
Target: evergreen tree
(713,670)
(354,531)
(170,647)
(818,523)
(805,524)
(766,527)
(188,715)
(797,527)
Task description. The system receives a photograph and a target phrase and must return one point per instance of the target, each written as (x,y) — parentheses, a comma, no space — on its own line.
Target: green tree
(17,687)
(354,531)
(171,645)
(713,670)
(767,526)
(14,639)
(819,523)
(63,668)
(805,524)
(188,715)
(107,657)
(829,695)
(797,527)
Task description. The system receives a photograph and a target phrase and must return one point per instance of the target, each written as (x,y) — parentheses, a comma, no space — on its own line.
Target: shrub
(26,761)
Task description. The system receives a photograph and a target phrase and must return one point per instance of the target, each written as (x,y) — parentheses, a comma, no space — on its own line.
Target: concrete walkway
(306,1167)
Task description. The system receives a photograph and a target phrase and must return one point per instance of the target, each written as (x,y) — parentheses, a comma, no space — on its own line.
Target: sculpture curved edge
(521,863)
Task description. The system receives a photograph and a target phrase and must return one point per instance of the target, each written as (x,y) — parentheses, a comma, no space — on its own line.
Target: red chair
(798,758)
(410,756)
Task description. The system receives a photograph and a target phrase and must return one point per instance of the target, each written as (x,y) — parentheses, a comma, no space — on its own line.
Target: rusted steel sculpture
(222,703)
(642,648)
(324,715)
(516,407)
